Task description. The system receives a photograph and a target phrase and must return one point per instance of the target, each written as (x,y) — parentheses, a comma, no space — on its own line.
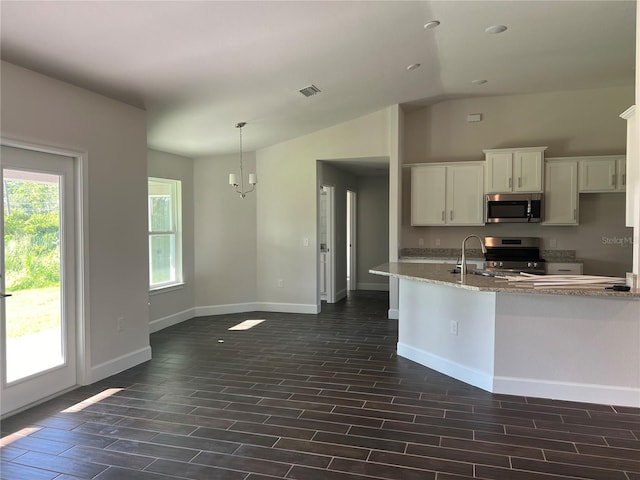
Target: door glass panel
(32,245)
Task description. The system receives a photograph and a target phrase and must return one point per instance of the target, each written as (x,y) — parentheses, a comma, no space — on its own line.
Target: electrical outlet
(280,283)
(437,242)
(120,324)
(421,242)
(453,327)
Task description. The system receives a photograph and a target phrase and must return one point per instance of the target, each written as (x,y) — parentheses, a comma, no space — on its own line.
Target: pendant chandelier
(233,178)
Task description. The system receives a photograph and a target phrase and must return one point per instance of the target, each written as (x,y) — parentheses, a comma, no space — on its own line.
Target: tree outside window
(165,239)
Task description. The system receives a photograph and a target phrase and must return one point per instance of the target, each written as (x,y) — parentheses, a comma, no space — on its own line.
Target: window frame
(175,195)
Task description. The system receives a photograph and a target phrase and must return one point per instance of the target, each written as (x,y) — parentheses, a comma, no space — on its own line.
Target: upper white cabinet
(514,169)
(447,194)
(560,192)
(602,174)
(428,195)
(631,177)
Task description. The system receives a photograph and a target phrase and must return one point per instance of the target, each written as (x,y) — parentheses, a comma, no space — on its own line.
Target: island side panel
(584,349)
(426,336)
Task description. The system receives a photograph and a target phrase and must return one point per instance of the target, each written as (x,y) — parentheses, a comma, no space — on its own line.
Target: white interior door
(351,240)
(329,257)
(38,304)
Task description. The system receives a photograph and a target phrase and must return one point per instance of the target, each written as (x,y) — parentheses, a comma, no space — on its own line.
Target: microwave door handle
(529,210)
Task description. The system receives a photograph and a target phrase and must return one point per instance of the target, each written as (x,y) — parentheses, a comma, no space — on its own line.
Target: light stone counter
(440,274)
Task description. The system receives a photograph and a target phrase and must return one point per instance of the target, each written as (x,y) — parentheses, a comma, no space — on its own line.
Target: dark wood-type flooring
(309,397)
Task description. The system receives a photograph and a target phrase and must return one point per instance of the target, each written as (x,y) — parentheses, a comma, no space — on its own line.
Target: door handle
(5,295)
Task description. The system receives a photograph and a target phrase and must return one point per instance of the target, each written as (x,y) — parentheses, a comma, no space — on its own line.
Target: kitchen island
(575,344)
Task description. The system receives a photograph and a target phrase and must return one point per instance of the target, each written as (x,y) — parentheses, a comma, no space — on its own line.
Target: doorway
(351,240)
(327,241)
(38,276)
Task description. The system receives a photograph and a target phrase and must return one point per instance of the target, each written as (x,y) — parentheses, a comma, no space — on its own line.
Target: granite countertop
(440,274)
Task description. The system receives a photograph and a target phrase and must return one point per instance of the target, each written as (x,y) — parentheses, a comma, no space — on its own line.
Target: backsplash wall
(574,123)
(601,240)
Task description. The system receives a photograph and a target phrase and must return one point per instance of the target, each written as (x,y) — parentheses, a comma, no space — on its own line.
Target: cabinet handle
(443,215)
(624,179)
(519,182)
(451,215)
(574,214)
(510,182)
(564,269)
(613,180)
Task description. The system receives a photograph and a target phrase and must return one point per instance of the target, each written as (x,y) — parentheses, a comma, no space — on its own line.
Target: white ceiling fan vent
(309,91)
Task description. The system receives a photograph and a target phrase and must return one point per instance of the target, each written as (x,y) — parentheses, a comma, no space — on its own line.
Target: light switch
(305,241)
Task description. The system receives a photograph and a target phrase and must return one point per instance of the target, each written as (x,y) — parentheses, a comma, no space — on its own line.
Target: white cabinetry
(560,192)
(447,194)
(632,168)
(514,169)
(564,268)
(602,174)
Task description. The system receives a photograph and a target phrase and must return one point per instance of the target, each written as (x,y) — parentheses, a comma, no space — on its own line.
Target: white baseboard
(575,392)
(256,307)
(459,372)
(381,287)
(393,314)
(225,309)
(341,294)
(287,307)
(169,320)
(119,364)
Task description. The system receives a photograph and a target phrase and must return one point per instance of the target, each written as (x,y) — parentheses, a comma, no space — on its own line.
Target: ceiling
(199,67)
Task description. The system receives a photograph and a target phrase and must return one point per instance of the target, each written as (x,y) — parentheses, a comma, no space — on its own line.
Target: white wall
(174,305)
(583,122)
(112,136)
(287,206)
(224,236)
(372,230)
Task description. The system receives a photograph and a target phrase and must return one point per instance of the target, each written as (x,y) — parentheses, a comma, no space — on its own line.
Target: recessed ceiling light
(480,81)
(414,66)
(431,24)
(496,29)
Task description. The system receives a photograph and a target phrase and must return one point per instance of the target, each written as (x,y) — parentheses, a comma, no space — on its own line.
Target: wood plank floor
(309,397)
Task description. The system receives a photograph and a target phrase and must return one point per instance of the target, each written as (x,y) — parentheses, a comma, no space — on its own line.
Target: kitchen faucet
(463,261)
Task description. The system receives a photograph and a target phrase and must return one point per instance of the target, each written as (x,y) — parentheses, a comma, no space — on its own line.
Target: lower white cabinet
(564,268)
(560,192)
(447,194)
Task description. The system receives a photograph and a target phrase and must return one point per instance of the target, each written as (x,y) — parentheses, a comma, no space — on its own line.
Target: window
(165,233)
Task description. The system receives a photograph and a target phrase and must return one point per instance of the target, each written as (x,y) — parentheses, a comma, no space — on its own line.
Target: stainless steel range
(514,255)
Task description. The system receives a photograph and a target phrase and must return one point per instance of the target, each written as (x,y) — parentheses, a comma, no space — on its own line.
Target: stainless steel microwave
(513,208)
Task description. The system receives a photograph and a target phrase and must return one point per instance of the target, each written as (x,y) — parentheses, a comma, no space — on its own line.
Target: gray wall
(225,236)
(372,230)
(176,304)
(583,122)
(112,138)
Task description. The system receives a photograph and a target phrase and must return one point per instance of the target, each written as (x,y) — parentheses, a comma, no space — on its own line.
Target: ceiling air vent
(309,91)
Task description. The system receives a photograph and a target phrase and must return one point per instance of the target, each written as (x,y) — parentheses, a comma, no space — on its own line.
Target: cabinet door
(563,268)
(499,172)
(465,192)
(561,193)
(428,195)
(597,175)
(621,174)
(527,172)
